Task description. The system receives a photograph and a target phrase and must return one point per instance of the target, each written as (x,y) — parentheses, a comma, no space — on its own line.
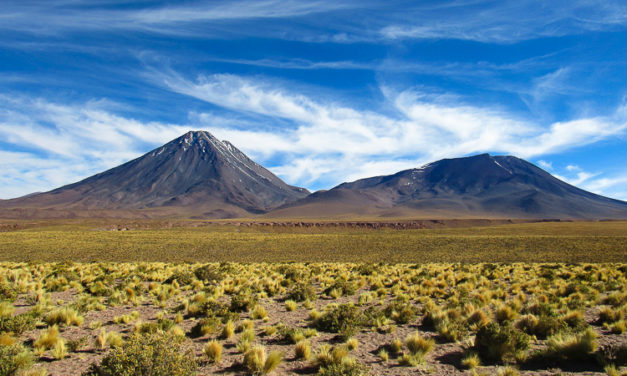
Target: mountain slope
(193,175)
(478,186)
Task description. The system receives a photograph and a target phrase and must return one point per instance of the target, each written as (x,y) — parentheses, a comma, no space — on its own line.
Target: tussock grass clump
(507,371)
(417,344)
(383,355)
(505,313)
(6,339)
(302,350)
(259,312)
(66,316)
(290,305)
(228,330)
(471,361)
(59,351)
(258,363)
(542,326)
(48,338)
(114,339)
(570,347)
(396,346)
(126,319)
(213,351)
(352,344)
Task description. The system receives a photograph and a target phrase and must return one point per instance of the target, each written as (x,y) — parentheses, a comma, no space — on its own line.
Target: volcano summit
(195,175)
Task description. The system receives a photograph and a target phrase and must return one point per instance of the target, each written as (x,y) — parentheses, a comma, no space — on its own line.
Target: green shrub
(347,288)
(400,312)
(209,273)
(542,326)
(6,292)
(243,301)
(182,278)
(301,292)
(18,324)
(496,342)
(13,359)
(343,319)
(147,355)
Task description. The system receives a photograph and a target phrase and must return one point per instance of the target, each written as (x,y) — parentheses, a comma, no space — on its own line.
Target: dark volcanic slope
(193,175)
(478,186)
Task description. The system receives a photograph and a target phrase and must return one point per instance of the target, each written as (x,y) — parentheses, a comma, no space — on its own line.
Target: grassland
(322,318)
(530,242)
(195,298)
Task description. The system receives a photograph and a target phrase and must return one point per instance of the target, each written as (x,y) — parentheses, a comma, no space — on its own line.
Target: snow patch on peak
(501,166)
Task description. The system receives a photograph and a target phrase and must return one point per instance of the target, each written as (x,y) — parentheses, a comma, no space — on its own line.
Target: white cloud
(363,143)
(55,144)
(343,22)
(318,143)
(545,165)
(603,184)
(507,21)
(181,19)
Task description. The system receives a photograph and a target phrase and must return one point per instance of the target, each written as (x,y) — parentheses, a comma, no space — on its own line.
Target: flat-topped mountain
(478,186)
(195,175)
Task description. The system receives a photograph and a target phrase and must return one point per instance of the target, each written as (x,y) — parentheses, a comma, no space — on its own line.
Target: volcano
(195,175)
(481,186)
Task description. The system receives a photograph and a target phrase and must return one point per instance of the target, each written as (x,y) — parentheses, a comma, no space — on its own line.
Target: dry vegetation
(86,241)
(320,318)
(428,315)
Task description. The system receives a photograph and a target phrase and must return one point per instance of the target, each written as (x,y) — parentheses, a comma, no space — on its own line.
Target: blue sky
(320,92)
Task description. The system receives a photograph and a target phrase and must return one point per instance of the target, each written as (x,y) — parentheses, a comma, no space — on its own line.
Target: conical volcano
(195,175)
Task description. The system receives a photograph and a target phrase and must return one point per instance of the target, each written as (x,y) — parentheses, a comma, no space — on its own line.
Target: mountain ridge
(198,176)
(476,186)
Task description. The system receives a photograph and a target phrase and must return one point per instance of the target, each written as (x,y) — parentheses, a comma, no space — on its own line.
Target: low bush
(243,301)
(301,292)
(209,273)
(400,312)
(205,326)
(347,367)
(497,343)
(18,324)
(147,355)
(14,359)
(343,319)
(345,287)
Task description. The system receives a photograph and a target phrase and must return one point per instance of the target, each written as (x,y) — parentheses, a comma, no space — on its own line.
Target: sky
(319,92)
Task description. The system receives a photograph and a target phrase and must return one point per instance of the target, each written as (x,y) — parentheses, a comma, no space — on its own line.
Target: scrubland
(431,310)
